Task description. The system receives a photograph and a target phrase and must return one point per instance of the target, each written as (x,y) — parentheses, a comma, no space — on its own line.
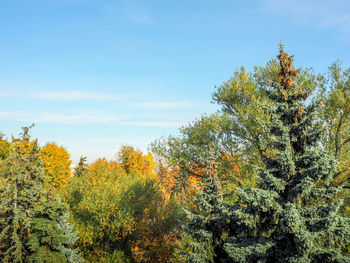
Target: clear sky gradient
(94,75)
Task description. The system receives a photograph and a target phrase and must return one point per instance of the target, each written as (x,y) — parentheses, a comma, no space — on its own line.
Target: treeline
(119,210)
(265,179)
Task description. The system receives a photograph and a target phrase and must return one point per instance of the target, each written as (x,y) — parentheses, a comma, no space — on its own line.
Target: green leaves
(30,230)
(122,215)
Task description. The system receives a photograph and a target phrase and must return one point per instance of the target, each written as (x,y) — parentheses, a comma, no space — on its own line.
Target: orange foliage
(287,74)
(231,166)
(300,113)
(167,177)
(151,248)
(227,168)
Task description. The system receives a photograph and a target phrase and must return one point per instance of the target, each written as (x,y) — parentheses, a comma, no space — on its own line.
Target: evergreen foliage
(32,219)
(206,223)
(292,216)
(80,170)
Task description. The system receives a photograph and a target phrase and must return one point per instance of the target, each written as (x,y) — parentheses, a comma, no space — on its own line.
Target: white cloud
(168,105)
(84,118)
(78,95)
(65,95)
(72,95)
(164,124)
(334,14)
(46,117)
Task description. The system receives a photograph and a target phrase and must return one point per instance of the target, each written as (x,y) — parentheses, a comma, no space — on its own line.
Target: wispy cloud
(46,117)
(66,95)
(86,118)
(164,124)
(78,95)
(83,95)
(333,14)
(168,105)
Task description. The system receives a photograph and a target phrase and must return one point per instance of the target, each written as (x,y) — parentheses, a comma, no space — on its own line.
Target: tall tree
(234,131)
(32,219)
(292,215)
(56,161)
(335,94)
(134,161)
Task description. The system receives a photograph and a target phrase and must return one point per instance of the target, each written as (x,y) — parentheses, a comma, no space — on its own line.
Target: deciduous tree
(134,161)
(335,95)
(56,161)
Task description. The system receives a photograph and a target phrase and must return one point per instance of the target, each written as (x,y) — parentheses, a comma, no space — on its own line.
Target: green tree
(156,222)
(121,216)
(93,199)
(32,219)
(292,215)
(234,131)
(206,223)
(335,95)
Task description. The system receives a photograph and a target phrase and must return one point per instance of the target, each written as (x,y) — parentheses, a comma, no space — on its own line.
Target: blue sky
(94,75)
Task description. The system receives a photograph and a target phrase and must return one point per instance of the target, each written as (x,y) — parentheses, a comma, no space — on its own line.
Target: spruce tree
(33,224)
(206,223)
(292,215)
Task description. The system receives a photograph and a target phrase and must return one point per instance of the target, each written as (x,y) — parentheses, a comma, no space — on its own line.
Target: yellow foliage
(5,147)
(56,161)
(231,167)
(104,221)
(135,162)
(101,167)
(167,177)
(23,146)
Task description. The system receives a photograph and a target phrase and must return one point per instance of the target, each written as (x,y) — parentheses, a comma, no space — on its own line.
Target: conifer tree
(206,223)
(33,224)
(292,215)
(81,168)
